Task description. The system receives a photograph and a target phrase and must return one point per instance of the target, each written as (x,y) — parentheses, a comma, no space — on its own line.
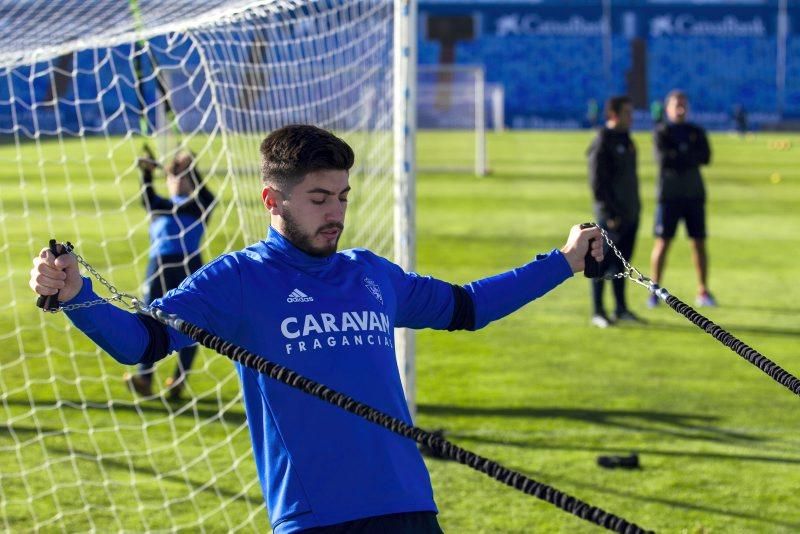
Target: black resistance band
(437,443)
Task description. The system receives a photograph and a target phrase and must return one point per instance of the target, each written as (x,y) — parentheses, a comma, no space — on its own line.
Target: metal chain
(631,272)
(116,295)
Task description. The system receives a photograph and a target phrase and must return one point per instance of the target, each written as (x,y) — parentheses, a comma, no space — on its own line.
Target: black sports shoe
(628,316)
(174,387)
(139,385)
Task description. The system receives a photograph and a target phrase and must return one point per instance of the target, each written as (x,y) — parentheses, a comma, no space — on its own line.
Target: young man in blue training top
(177,224)
(329,316)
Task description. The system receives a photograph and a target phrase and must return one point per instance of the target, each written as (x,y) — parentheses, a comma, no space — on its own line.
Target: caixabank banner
(557,60)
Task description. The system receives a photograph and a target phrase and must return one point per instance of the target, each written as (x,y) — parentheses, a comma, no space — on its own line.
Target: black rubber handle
(624,462)
(50,302)
(146,149)
(151,158)
(591,266)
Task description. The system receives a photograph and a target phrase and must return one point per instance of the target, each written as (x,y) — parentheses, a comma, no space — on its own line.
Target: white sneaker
(600,321)
(705,299)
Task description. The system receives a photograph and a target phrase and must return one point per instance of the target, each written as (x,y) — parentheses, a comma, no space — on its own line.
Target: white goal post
(452,104)
(83,86)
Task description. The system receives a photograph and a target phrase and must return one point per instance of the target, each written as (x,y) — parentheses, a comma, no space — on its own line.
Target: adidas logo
(299,296)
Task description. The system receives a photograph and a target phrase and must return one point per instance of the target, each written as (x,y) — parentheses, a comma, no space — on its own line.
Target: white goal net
(83,86)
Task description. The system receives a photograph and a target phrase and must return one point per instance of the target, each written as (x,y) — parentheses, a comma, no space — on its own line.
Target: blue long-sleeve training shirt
(177,223)
(332,320)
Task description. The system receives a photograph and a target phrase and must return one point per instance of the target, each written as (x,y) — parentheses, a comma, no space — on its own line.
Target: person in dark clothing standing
(680,149)
(176,229)
(740,119)
(615,187)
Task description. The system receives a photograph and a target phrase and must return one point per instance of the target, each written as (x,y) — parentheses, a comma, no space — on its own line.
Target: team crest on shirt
(373,288)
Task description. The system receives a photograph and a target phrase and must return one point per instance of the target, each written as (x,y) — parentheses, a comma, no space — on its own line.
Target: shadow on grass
(26,432)
(787,310)
(733,329)
(673,503)
(189,408)
(644,453)
(193,485)
(685,426)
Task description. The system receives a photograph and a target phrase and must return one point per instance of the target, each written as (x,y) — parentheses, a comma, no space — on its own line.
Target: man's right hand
(51,275)
(147,164)
(580,241)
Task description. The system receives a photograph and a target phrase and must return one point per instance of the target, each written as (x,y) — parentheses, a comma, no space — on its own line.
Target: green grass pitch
(541,391)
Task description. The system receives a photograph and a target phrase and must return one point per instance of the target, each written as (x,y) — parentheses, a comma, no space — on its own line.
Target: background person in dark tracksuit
(680,149)
(615,188)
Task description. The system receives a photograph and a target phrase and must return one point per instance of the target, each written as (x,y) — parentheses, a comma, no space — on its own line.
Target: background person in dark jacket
(680,148)
(615,187)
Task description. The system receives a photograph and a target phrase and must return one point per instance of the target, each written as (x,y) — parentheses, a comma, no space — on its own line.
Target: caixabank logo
(534,24)
(686,24)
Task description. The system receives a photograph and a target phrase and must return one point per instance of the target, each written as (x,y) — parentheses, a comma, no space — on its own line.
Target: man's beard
(304,242)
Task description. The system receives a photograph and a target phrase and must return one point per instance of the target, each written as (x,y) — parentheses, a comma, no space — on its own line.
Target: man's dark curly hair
(291,152)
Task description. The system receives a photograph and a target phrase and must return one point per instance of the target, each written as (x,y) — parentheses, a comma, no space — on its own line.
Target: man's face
(624,119)
(178,180)
(311,215)
(677,109)
(179,185)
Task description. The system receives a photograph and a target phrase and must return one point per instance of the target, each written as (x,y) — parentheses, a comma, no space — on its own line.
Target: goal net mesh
(83,86)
